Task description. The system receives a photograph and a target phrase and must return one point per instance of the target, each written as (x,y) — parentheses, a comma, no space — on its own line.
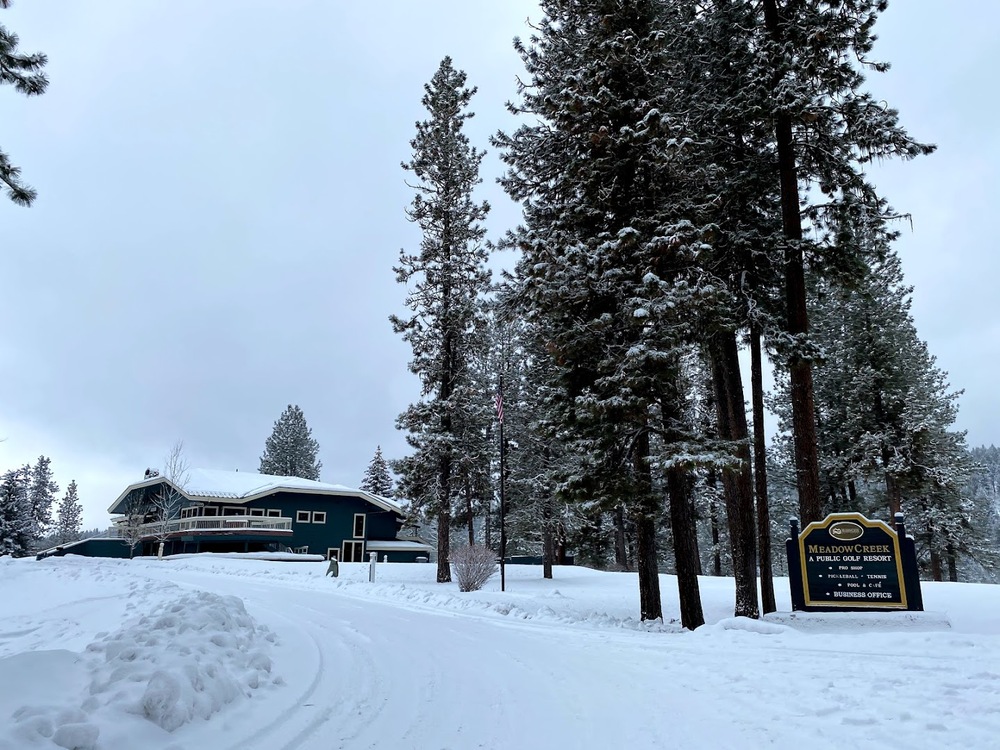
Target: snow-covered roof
(243,486)
(399,545)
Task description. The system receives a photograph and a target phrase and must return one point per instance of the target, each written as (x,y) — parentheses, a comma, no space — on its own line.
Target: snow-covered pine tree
(377,479)
(447,280)
(16,518)
(813,54)
(885,414)
(609,258)
(734,168)
(24,73)
(70,516)
(291,451)
(42,494)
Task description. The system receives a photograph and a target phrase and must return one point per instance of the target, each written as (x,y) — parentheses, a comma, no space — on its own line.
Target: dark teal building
(235,511)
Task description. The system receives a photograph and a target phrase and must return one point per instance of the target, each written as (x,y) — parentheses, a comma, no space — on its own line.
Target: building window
(359,525)
(256,511)
(210,510)
(332,553)
(273,513)
(231,510)
(354,552)
(319,516)
(302,516)
(301,550)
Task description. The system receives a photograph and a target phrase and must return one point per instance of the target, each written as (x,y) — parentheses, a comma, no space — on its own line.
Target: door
(354,552)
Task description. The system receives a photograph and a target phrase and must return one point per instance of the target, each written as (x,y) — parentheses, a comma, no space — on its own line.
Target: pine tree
(24,72)
(826,128)
(291,451)
(42,494)
(16,516)
(70,516)
(377,479)
(609,263)
(447,279)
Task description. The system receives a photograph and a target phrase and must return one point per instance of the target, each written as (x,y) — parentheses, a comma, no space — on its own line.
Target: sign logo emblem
(846,531)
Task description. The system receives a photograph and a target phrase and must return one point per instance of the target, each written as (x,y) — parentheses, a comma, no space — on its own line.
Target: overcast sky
(221,203)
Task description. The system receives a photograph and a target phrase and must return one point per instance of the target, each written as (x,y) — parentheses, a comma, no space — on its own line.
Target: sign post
(847,562)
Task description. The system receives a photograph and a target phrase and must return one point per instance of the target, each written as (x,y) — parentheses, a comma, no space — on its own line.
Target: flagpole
(503,504)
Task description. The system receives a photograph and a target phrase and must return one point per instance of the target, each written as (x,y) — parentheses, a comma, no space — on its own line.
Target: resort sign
(848,562)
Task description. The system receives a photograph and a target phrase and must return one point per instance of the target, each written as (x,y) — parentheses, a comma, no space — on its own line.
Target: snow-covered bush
(473,565)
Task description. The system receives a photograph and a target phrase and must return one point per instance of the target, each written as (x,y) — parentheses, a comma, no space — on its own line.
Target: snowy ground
(211,652)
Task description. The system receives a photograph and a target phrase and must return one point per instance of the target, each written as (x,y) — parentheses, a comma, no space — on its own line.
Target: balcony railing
(214,524)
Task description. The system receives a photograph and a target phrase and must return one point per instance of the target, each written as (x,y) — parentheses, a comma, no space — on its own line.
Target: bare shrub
(474,564)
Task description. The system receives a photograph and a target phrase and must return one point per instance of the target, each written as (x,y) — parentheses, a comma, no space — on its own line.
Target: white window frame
(364,526)
(239,510)
(299,516)
(205,510)
(255,511)
(303,550)
(319,516)
(274,513)
(350,558)
(333,553)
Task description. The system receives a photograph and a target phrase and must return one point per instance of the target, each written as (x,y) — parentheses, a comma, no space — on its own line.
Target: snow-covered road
(403,664)
(364,674)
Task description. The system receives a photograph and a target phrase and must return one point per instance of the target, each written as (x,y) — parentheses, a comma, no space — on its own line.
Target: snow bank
(189,658)
(855,622)
(269,556)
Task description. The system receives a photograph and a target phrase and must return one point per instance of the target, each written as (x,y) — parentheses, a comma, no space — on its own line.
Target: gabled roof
(243,486)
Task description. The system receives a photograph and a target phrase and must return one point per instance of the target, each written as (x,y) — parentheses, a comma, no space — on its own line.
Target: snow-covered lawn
(218,652)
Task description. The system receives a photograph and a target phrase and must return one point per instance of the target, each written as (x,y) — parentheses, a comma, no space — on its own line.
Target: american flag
(499,402)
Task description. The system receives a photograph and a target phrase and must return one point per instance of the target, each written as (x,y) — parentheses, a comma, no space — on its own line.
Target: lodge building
(236,511)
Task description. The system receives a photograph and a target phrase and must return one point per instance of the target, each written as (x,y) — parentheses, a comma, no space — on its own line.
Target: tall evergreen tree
(609,256)
(42,494)
(447,279)
(377,479)
(70,516)
(826,128)
(24,73)
(16,517)
(291,451)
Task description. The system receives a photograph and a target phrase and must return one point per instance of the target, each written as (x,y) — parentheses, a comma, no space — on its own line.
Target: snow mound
(830,622)
(745,624)
(187,660)
(527,608)
(268,556)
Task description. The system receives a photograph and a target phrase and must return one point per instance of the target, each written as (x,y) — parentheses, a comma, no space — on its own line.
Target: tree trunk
(800,368)
(952,559)
(650,605)
(936,573)
(894,496)
(760,474)
(682,525)
(444,543)
(737,484)
(444,521)
(470,516)
(713,512)
(547,545)
(693,512)
(621,552)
